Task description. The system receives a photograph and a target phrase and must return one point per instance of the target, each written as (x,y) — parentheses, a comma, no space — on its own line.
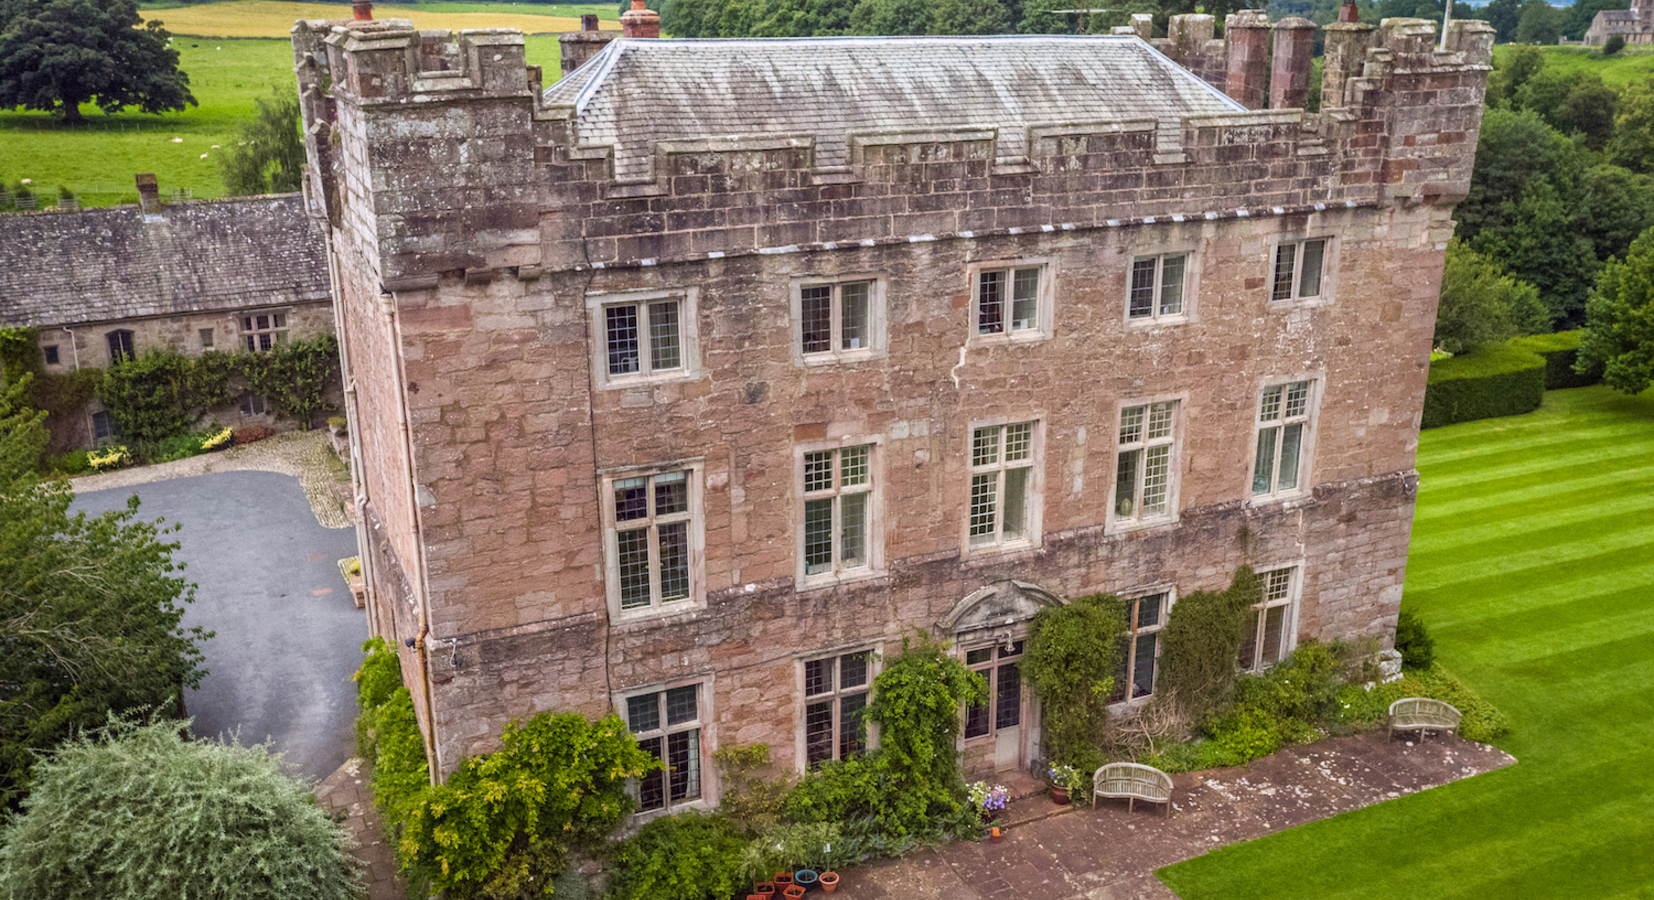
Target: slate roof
(107,264)
(639,91)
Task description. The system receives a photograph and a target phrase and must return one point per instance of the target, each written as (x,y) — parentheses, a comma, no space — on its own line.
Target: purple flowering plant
(990,799)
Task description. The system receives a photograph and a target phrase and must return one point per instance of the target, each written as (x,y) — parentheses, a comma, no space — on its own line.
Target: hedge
(1560,351)
(1496,381)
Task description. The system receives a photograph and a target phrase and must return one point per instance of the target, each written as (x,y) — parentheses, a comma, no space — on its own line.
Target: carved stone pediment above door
(1002,604)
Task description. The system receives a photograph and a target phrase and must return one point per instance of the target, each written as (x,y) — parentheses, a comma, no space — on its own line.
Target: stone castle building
(1635,25)
(690,385)
(224,275)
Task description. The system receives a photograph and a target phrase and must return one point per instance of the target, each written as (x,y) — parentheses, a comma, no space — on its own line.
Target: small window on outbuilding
(51,355)
(102,427)
(252,405)
(206,339)
(120,345)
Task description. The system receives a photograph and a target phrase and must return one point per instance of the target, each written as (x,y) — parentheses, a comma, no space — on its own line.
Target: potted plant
(805,878)
(1065,782)
(989,801)
(829,881)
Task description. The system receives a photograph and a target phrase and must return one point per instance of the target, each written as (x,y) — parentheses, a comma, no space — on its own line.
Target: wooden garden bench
(1422,714)
(1133,781)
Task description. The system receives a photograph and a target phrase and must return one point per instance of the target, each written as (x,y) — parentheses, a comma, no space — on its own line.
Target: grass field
(97,161)
(1617,71)
(1533,563)
(274,18)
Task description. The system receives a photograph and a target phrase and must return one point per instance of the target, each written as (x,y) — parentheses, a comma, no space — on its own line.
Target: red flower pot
(829,881)
(1059,795)
(793,892)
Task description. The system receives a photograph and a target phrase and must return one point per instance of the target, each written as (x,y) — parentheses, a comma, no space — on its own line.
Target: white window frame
(870,740)
(1185,313)
(255,339)
(702,724)
(1329,270)
(1033,506)
(874,537)
(877,321)
(689,345)
(1137,519)
(696,471)
(1134,596)
(1287,603)
(1044,298)
(1280,423)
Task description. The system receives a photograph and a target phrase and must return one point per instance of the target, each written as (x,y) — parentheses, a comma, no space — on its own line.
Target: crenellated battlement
(455,134)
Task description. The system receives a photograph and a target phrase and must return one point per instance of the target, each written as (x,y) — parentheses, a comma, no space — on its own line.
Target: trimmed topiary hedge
(1496,381)
(1560,351)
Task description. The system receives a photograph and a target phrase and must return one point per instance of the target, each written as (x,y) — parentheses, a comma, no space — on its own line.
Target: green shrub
(1413,642)
(1201,640)
(916,703)
(1073,655)
(1561,352)
(160,394)
(377,679)
(1302,687)
(68,464)
(1361,707)
(837,791)
(504,823)
(400,776)
(134,811)
(689,856)
(1496,381)
(787,848)
(750,799)
(1245,733)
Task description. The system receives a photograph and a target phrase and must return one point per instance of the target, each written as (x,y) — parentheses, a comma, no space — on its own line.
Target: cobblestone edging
(302,454)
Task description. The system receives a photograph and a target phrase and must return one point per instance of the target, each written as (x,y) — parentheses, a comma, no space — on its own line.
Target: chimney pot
(149,194)
(361,10)
(640,21)
(588,22)
(1348,12)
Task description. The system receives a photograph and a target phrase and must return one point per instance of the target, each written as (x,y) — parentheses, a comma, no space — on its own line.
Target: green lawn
(98,160)
(1533,563)
(1617,71)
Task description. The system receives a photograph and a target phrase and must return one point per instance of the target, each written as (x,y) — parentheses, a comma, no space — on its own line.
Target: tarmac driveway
(267,576)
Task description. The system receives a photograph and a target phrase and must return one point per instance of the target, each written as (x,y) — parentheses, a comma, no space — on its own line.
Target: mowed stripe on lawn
(1533,564)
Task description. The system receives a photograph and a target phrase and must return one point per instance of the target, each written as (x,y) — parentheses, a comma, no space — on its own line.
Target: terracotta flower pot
(783,880)
(829,881)
(1059,795)
(793,892)
(995,835)
(766,888)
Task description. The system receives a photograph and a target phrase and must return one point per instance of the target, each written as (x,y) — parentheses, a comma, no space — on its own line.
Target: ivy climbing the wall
(1073,658)
(1201,641)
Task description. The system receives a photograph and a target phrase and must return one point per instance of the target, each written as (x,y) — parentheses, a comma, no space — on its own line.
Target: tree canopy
(1619,321)
(1481,305)
(90,612)
(133,811)
(268,157)
(58,54)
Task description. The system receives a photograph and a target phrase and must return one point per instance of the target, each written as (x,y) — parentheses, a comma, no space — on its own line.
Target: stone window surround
(1306,452)
(697,539)
(1192,251)
(875,665)
(1036,488)
(689,344)
(875,567)
(705,720)
(877,319)
(1293,604)
(1114,524)
(1329,269)
(1170,590)
(278,333)
(121,344)
(1044,316)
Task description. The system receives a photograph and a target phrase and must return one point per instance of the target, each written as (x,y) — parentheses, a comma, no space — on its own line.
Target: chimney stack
(149,194)
(361,10)
(588,22)
(640,21)
(1293,56)
(1246,46)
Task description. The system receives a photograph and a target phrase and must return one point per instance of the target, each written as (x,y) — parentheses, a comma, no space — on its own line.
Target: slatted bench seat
(1133,781)
(1422,714)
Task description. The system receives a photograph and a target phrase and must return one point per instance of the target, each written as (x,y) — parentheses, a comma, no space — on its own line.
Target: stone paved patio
(1055,853)
(346,793)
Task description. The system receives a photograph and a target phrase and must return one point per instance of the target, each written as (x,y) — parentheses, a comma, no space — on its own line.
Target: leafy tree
(1481,305)
(506,819)
(58,54)
(1511,72)
(1525,208)
(1073,660)
(1633,142)
(134,811)
(1619,321)
(1504,15)
(295,376)
(1619,206)
(1572,103)
(90,614)
(891,17)
(268,157)
(1540,23)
